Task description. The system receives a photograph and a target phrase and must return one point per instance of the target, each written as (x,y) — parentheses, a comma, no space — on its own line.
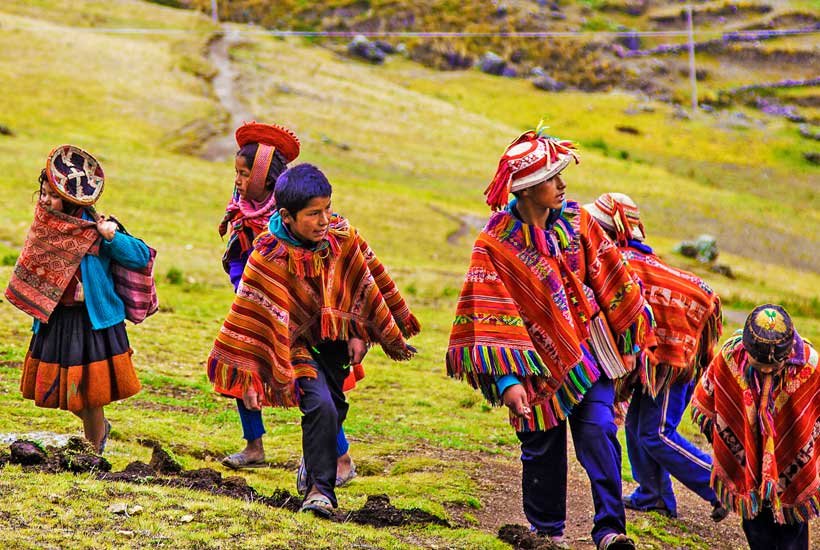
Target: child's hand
(251,399)
(356,350)
(515,397)
(106,228)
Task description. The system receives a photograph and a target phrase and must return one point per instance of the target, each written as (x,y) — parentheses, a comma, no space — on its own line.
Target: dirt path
(223,147)
(500,484)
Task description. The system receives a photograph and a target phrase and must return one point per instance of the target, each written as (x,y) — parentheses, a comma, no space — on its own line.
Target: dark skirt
(71,366)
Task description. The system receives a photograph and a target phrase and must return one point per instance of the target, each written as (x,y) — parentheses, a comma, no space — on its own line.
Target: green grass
(419,149)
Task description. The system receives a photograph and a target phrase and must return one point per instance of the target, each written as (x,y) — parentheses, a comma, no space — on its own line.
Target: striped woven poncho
(687,314)
(291,298)
(764,431)
(524,310)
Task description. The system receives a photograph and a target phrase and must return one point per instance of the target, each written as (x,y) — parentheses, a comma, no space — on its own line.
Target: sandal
(301,477)
(239,461)
(105,436)
(319,505)
(341,481)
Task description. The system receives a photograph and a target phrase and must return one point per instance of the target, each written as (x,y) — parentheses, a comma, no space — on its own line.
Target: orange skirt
(72,367)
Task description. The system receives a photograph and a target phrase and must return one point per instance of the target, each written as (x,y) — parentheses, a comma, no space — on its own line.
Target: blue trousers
(253,427)
(762,533)
(544,460)
(656,450)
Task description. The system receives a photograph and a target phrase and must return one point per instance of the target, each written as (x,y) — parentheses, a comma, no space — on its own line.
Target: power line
(747,34)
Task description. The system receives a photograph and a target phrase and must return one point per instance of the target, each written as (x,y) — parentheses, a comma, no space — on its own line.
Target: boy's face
(310,224)
(547,194)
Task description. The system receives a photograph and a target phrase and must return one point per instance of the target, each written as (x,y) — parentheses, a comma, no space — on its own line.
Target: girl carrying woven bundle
(541,274)
(79,358)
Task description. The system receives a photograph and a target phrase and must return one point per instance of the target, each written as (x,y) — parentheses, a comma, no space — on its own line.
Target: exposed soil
(76,456)
(522,539)
(378,512)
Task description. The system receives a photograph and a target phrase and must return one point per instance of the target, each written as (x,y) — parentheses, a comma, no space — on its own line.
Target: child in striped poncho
(313,296)
(541,274)
(758,403)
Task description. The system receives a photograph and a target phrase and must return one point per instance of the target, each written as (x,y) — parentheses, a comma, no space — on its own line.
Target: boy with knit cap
(688,317)
(541,274)
(759,404)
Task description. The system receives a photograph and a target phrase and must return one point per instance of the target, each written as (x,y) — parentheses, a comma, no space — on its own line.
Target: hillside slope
(409,151)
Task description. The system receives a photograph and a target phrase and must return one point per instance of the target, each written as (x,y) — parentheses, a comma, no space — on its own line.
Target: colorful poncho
(291,298)
(687,314)
(524,311)
(51,255)
(764,431)
(598,263)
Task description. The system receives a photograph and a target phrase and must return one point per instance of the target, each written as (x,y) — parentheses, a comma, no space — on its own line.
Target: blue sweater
(105,308)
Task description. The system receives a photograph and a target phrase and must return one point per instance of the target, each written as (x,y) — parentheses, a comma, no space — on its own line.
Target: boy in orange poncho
(758,403)
(541,277)
(688,317)
(311,299)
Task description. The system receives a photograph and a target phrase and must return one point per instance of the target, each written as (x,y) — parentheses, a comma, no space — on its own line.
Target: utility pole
(693,81)
(214,14)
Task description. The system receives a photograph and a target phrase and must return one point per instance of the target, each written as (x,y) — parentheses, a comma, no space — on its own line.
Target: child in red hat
(541,277)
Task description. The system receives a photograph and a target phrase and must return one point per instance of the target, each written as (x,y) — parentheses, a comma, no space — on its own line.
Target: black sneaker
(719,513)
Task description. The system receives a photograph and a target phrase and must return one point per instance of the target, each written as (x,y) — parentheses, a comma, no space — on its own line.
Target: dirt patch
(522,539)
(378,512)
(164,407)
(77,456)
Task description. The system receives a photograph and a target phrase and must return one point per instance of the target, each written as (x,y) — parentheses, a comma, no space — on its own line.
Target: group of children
(565,312)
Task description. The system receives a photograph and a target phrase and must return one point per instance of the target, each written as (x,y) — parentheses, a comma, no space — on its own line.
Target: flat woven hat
(274,135)
(75,175)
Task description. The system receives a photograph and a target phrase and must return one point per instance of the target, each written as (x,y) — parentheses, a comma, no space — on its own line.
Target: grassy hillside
(409,151)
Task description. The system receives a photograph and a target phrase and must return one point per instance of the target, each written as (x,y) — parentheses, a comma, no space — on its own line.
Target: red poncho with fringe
(291,298)
(524,311)
(688,320)
(764,431)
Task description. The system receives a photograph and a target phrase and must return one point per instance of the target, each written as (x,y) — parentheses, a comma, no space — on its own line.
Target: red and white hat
(619,214)
(529,160)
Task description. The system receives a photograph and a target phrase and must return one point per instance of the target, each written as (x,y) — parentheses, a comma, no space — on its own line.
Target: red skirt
(71,366)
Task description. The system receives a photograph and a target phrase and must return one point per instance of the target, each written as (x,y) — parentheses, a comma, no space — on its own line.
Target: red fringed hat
(274,135)
(619,214)
(529,160)
(75,175)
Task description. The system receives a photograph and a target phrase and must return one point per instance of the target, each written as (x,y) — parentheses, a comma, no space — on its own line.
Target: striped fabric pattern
(522,311)
(291,298)
(764,431)
(598,263)
(688,318)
